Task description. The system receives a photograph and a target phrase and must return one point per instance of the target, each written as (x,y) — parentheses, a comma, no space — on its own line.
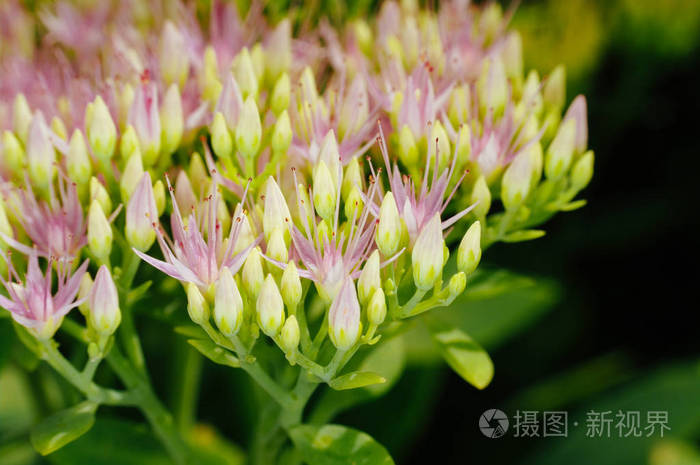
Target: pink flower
(56,228)
(32,303)
(418,205)
(198,250)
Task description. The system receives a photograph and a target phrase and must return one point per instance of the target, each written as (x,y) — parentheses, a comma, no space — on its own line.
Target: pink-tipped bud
(104,315)
(270,307)
(276,212)
(174,62)
(228,304)
(141,216)
(145,118)
(389,228)
(428,254)
(41,155)
(344,324)
(370,279)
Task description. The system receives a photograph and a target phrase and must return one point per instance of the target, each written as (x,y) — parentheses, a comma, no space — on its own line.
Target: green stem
(160,419)
(127,330)
(188,389)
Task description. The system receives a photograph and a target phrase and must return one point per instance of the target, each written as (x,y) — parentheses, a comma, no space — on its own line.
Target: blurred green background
(598,315)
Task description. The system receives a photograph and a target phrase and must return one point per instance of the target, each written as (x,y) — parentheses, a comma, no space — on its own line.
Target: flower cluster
(322,181)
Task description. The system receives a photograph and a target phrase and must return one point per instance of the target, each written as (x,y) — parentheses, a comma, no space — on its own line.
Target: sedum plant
(301,195)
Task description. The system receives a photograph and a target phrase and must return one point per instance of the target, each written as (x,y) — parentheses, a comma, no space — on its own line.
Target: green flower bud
(252,275)
(249,130)
(257,57)
(324,192)
(270,307)
(228,304)
(481,197)
(459,105)
(354,204)
(276,212)
(105,314)
(554,92)
(278,49)
(560,152)
(99,232)
(281,134)
(244,73)
(427,255)
(174,63)
(289,339)
(370,279)
(517,180)
(159,196)
(276,248)
(464,145)
(13,157)
(59,128)
(280,94)
(210,84)
(131,175)
(41,156)
(84,293)
(78,160)
(457,284)
(101,131)
(99,193)
(198,173)
(353,178)
(582,172)
(513,59)
(21,118)
(389,228)
(469,251)
(171,120)
(492,87)
(221,140)
(376,311)
(290,285)
(444,151)
(129,142)
(408,150)
(197,306)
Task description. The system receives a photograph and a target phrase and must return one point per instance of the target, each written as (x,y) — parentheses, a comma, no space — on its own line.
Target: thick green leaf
(571,206)
(524,235)
(191,332)
(215,353)
(356,379)
(63,427)
(466,357)
(338,445)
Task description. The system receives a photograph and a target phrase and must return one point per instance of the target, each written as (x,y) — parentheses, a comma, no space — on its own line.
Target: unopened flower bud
(59,128)
(469,252)
(41,156)
(554,91)
(198,173)
(248,129)
(578,112)
(270,307)
(5,227)
(21,117)
(459,106)
(78,160)
(370,279)
(104,314)
(252,274)
(278,49)
(354,109)
(228,304)
(330,155)
(276,212)
(389,227)
(517,181)
(84,293)
(492,87)
(141,215)
(99,193)
(276,248)
(280,94)
(159,196)
(221,140)
(282,133)
(99,231)
(145,118)
(197,306)
(457,284)
(464,145)
(174,62)
(352,178)
(560,152)
(244,73)
(257,57)
(481,197)
(289,338)
(582,172)
(101,131)
(376,311)
(13,157)
(440,142)
(408,150)
(344,324)
(210,84)
(171,120)
(513,57)
(131,176)
(354,204)
(290,285)
(129,142)
(427,255)
(324,192)
(184,195)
